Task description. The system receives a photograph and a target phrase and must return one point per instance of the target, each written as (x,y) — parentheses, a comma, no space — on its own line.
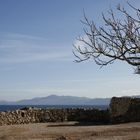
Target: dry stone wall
(124,109)
(37,115)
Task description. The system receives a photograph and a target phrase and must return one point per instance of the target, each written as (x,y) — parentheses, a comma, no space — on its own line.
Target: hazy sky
(36,59)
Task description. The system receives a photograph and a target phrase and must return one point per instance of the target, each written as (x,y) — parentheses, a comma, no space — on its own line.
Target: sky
(36,59)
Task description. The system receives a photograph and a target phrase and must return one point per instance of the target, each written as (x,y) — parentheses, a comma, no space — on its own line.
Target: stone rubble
(38,115)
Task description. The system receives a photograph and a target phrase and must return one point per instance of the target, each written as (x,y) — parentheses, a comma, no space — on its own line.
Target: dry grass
(67,131)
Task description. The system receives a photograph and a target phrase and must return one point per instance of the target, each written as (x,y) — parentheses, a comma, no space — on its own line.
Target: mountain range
(60,100)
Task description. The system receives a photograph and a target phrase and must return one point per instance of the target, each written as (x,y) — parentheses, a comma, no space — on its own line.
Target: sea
(15,107)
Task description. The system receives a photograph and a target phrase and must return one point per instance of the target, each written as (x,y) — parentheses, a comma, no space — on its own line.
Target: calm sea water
(14,107)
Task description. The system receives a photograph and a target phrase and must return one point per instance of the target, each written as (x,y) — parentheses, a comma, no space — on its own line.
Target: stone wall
(124,109)
(37,115)
(121,110)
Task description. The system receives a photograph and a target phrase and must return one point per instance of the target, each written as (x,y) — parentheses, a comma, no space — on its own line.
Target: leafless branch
(117,40)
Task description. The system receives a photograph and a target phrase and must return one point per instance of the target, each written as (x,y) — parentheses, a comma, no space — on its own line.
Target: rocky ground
(70,131)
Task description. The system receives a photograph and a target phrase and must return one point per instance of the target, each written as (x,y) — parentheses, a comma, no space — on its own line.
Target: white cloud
(18,48)
(35,57)
(23,36)
(131,92)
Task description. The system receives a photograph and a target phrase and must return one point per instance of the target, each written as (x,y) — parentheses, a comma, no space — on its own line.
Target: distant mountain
(60,100)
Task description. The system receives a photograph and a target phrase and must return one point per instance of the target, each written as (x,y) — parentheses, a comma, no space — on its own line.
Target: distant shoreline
(15,107)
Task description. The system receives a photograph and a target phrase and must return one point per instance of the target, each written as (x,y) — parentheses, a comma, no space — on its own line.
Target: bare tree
(119,39)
